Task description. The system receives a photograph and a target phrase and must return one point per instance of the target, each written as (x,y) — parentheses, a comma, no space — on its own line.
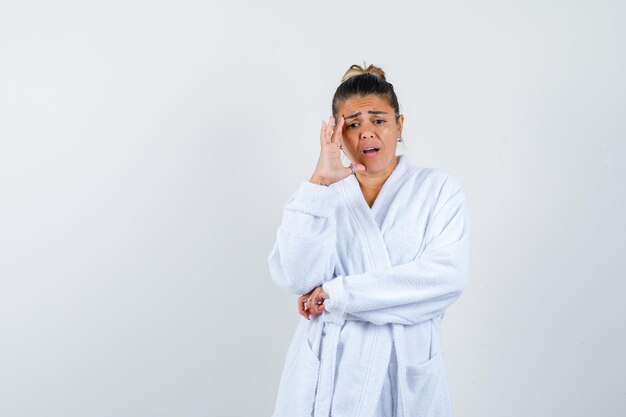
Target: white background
(147,149)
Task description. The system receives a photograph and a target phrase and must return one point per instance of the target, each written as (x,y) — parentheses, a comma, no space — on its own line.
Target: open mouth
(370,150)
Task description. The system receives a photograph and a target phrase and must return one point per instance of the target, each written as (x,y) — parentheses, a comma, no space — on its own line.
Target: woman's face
(370,122)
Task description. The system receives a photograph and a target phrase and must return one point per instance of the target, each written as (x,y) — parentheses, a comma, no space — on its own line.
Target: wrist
(316,179)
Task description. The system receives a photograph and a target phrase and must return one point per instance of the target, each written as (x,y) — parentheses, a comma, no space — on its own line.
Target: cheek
(389,131)
(350,138)
(389,136)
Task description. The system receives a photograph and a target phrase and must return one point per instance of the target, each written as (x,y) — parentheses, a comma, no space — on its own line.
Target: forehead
(363,104)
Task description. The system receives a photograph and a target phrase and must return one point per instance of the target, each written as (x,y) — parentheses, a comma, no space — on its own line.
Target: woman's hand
(314,305)
(329,168)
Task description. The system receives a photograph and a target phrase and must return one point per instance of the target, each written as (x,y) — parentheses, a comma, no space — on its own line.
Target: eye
(351,125)
(379,120)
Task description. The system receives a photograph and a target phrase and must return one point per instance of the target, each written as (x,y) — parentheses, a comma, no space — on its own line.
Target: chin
(372,166)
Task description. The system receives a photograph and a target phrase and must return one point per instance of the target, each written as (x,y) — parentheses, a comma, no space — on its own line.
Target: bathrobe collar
(385,195)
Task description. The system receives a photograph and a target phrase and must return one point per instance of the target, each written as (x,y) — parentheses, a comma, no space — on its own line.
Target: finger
(310,305)
(301,301)
(329,129)
(321,308)
(315,310)
(357,168)
(338,131)
(317,303)
(313,306)
(301,309)
(324,136)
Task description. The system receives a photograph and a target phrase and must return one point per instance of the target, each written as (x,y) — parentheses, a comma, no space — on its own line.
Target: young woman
(378,251)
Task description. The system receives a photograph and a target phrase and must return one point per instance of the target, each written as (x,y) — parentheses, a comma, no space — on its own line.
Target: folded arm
(418,290)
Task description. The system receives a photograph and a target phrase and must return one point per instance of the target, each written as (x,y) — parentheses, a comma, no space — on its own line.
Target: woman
(379,250)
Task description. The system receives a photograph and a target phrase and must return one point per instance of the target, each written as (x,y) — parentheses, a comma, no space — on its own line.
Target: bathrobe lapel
(370,223)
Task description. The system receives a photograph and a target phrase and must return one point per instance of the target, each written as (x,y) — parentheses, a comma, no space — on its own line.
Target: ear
(400,123)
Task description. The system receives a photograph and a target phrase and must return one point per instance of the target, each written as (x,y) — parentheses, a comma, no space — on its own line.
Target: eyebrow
(370,112)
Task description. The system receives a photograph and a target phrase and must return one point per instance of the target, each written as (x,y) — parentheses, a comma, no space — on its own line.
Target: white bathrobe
(390,272)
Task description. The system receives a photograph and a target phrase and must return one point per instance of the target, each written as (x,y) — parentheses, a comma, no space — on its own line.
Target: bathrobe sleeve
(304,253)
(418,290)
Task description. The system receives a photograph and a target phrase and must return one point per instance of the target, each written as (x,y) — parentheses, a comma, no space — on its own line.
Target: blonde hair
(355,70)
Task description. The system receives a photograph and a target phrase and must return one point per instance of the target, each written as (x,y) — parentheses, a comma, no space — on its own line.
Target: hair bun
(355,70)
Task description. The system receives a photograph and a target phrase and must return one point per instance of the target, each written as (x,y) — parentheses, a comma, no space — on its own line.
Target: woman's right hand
(329,168)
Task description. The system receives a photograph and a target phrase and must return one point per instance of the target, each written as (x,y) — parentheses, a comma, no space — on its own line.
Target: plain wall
(147,150)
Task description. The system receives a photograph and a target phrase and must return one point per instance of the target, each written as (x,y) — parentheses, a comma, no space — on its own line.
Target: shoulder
(440,186)
(441,180)
(447,180)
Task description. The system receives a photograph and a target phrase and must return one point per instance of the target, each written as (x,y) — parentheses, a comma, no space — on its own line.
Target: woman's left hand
(315,303)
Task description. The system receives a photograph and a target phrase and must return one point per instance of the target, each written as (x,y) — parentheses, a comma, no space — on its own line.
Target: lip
(363,148)
(370,154)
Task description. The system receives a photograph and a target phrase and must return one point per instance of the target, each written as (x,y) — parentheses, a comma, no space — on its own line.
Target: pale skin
(367,121)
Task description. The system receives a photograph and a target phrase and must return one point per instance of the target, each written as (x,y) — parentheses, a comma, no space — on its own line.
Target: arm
(421,289)
(303,255)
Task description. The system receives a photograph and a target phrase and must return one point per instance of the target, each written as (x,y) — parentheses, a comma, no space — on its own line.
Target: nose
(366,132)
